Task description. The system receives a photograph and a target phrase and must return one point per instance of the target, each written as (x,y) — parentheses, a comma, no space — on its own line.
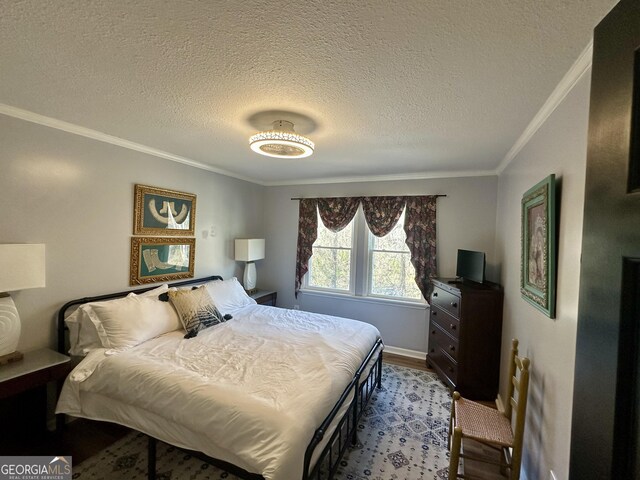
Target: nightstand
(265,297)
(34,372)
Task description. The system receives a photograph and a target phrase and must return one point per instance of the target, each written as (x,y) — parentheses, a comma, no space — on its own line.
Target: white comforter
(250,391)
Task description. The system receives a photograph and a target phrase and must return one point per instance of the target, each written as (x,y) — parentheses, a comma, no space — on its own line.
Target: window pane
(326,238)
(394,240)
(330,268)
(330,264)
(393,275)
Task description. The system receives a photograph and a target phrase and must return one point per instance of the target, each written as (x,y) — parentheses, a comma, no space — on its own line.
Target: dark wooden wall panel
(611,233)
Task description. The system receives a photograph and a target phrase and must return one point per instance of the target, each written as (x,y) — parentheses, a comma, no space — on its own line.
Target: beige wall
(76,196)
(558,147)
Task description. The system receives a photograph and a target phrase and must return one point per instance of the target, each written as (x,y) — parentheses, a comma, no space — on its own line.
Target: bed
(271,393)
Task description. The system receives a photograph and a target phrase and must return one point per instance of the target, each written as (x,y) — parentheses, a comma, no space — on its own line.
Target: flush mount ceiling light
(281,142)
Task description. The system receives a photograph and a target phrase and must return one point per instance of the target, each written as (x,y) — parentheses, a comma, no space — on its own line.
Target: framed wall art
(161,259)
(538,264)
(158,211)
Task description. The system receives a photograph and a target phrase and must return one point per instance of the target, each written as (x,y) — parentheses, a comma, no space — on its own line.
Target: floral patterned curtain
(337,212)
(307,234)
(382,213)
(420,227)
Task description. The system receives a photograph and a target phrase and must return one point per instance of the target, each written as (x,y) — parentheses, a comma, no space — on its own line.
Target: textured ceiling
(389,88)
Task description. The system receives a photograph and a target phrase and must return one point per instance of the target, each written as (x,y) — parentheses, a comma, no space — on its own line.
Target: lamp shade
(21,266)
(249,249)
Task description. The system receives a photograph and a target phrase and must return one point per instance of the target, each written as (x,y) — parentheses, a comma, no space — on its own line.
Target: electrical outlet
(296,307)
(552,476)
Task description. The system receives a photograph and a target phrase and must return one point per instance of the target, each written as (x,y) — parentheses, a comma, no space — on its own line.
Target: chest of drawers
(465,330)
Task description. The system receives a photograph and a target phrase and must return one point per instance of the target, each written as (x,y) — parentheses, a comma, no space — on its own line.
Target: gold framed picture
(159,211)
(161,259)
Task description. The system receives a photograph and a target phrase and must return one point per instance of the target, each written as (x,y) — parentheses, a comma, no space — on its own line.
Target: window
(391,273)
(383,269)
(330,266)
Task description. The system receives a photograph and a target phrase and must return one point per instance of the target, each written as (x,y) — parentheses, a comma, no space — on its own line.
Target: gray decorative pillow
(195,309)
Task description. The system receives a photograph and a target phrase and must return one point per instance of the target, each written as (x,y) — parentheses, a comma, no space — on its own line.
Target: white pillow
(152,293)
(128,321)
(228,294)
(83,336)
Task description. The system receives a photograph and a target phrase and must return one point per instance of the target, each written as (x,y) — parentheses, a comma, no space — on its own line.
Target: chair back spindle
(512,374)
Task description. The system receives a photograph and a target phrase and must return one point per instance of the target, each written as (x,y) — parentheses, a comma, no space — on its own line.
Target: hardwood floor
(417,363)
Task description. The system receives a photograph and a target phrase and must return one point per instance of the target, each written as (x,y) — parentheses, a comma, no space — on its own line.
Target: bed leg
(151,459)
(379,379)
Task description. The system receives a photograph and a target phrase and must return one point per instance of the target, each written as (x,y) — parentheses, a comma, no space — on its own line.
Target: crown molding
(43,120)
(575,73)
(384,178)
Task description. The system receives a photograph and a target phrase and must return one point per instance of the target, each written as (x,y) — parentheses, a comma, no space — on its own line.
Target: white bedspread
(250,391)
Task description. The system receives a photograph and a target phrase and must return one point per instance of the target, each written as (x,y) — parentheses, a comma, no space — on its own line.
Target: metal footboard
(358,393)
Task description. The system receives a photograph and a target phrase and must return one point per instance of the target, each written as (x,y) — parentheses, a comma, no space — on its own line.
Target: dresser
(465,331)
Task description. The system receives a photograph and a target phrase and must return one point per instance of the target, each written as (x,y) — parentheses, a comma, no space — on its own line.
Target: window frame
(360,274)
(352,267)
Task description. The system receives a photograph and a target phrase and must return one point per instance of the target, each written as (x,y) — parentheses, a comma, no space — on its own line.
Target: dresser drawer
(446,301)
(449,324)
(439,339)
(445,365)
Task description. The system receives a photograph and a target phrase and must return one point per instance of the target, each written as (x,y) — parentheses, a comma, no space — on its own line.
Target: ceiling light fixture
(281,142)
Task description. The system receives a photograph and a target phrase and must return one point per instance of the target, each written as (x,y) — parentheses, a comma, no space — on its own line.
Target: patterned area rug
(402,435)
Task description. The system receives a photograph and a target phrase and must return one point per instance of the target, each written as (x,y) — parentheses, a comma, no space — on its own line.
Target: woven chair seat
(482,423)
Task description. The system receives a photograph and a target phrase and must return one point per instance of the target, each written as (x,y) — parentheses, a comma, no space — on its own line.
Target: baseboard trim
(405,352)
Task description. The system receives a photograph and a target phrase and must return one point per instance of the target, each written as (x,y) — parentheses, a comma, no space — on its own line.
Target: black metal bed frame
(356,395)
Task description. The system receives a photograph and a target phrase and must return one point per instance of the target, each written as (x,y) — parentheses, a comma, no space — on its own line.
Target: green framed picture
(161,259)
(538,263)
(158,211)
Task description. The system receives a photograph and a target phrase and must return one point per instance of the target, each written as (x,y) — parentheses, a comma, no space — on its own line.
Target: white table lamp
(249,250)
(21,266)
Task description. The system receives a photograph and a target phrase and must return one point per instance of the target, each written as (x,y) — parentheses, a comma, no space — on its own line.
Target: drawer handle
(433,312)
(454,304)
(433,350)
(453,327)
(452,348)
(433,332)
(451,369)
(435,294)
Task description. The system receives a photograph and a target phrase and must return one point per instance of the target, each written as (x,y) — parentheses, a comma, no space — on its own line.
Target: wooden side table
(36,369)
(265,297)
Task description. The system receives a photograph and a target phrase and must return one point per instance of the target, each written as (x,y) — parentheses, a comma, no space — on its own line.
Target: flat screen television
(470,265)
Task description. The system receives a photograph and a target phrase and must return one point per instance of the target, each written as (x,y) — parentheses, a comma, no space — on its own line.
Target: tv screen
(470,265)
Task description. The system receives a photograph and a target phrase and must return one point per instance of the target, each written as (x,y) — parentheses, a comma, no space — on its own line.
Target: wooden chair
(472,420)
